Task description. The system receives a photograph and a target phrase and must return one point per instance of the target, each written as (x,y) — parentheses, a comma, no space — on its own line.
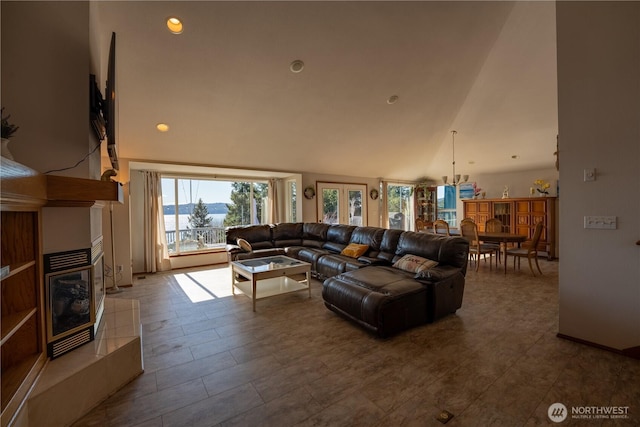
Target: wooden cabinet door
(478,210)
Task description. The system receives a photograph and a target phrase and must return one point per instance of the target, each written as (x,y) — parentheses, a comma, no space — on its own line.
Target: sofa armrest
(445,289)
(373,261)
(233,251)
(437,274)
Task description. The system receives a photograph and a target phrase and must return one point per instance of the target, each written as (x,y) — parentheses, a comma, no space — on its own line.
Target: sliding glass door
(400,206)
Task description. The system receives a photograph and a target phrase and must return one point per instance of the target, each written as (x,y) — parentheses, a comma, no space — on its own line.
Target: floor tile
(496,362)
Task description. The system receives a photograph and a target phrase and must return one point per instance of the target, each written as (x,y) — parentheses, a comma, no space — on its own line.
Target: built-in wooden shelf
(14,322)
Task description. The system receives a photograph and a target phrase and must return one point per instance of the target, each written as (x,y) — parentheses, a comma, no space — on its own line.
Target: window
(447,204)
(197,211)
(292,201)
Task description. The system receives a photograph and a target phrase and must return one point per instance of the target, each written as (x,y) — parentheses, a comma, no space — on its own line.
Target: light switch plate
(601,222)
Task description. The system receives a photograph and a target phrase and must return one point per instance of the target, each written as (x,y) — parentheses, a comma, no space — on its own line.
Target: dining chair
(420,225)
(441,226)
(529,250)
(469,230)
(494,225)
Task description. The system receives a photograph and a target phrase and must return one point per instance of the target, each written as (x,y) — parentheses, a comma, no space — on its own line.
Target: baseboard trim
(633,352)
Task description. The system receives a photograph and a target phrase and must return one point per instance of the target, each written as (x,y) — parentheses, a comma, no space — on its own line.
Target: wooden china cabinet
(518,215)
(426,205)
(23,342)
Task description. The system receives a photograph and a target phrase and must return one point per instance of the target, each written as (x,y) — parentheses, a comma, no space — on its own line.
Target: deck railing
(199,237)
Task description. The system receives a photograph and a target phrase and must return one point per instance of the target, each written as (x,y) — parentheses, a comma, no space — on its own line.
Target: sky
(210,191)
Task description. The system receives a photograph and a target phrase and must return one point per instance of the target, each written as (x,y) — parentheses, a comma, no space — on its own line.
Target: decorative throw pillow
(354,250)
(244,245)
(414,263)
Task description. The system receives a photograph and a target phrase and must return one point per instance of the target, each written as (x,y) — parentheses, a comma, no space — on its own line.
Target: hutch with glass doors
(426,205)
(518,215)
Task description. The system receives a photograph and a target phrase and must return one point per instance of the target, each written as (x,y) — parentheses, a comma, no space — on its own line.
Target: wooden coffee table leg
(309,282)
(233,282)
(253,292)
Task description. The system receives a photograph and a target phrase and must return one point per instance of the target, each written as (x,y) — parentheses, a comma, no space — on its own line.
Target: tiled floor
(209,361)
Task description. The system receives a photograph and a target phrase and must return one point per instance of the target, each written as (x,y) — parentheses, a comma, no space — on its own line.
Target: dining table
(496,237)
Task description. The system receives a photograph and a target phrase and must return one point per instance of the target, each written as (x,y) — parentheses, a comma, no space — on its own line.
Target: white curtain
(156,254)
(274,212)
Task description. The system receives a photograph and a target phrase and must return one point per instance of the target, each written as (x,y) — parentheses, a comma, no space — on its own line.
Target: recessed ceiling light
(296,66)
(392,99)
(162,127)
(174,25)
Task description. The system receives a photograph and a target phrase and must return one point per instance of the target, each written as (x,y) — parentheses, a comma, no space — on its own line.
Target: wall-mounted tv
(102,111)
(96,105)
(110,101)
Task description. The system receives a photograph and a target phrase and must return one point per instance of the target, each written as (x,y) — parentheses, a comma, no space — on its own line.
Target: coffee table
(270,276)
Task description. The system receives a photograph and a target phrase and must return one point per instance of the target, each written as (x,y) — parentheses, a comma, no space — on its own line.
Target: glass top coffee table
(270,276)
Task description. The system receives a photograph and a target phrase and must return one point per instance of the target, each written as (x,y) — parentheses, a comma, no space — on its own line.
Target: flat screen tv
(96,106)
(110,112)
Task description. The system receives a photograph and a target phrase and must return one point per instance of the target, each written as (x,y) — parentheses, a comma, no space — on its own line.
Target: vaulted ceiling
(224,87)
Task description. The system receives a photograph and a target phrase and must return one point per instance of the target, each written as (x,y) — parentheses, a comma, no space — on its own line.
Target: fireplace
(74,284)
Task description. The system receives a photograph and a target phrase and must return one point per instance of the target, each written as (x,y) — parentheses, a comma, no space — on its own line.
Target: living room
(44,79)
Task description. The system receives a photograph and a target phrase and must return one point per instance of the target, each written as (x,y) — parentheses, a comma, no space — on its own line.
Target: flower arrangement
(476,190)
(7,128)
(542,186)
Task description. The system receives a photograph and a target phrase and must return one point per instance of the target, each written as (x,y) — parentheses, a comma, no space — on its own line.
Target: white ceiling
(486,69)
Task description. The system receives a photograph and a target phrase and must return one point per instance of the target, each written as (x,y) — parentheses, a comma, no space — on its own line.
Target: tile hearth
(210,361)
(74,383)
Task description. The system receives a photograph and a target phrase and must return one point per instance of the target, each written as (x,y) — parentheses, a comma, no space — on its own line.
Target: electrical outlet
(118,269)
(601,222)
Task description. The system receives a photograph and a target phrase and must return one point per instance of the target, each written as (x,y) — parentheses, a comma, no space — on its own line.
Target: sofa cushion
(355,250)
(331,265)
(338,237)
(287,234)
(371,236)
(314,234)
(446,250)
(414,263)
(311,255)
(382,299)
(258,235)
(387,246)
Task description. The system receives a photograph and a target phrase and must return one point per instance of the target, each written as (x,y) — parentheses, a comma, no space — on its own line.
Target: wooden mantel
(68,191)
(21,184)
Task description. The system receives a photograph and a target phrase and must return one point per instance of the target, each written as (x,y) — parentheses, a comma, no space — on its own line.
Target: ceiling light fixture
(174,25)
(162,127)
(296,66)
(455,178)
(392,99)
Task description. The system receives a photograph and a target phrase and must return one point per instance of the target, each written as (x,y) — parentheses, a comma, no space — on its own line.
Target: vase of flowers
(7,132)
(541,187)
(476,191)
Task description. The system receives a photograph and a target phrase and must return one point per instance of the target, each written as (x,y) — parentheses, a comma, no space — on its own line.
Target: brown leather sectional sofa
(368,289)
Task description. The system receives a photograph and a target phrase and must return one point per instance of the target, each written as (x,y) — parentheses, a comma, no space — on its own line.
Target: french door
(340,203)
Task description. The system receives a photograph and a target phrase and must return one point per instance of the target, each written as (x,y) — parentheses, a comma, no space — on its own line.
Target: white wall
(309,206)
(599,127)
(45,75)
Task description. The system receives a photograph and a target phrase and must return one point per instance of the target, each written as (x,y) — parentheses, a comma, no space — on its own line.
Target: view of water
(183,221)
